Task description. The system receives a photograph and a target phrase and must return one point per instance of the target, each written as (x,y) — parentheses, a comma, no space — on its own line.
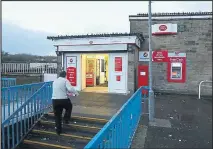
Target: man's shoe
(58,132)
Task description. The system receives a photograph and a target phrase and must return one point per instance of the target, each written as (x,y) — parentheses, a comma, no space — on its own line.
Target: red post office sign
(118,64)
(71,75)
(164,29)
(160,56)
(71,62)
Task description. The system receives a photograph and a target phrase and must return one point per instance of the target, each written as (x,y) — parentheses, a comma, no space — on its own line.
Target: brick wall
(195,39)
(132,68)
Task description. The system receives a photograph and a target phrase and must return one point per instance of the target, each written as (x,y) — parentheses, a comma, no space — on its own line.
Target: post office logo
(162,28)
(145,54)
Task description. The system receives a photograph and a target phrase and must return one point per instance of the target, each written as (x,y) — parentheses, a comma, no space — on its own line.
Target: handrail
(199,87)
(17,126)
(8,78)
(7,82)
(13,97)
(118,132)
(17,86)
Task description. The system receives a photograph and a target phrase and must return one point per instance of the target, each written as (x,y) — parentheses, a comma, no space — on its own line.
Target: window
(102,65)
(176,71)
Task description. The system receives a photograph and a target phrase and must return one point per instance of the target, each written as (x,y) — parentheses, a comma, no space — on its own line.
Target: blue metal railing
(119,131)
(21,121)
(13,97)
(7,82)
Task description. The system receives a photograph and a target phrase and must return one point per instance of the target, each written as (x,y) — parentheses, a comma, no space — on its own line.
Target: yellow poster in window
(90,65)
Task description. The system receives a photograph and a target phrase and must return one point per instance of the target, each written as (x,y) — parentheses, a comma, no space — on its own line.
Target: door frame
(97,53)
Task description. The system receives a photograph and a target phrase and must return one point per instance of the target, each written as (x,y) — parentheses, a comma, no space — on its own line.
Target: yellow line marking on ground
(73,125)
(64,135)
(85,118)
(46,144)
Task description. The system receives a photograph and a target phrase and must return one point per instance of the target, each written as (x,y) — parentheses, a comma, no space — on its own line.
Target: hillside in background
(26,58)
(16,40)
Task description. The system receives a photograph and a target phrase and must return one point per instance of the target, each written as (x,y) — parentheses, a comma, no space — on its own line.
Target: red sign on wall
(71,69)
(160,56)
(118,64)
(71,75)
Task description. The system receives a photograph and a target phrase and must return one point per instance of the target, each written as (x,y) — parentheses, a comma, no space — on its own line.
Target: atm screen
(176,71)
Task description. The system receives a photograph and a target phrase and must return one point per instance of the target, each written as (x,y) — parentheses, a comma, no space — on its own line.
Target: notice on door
(71,69)
(118,78)
(118,64)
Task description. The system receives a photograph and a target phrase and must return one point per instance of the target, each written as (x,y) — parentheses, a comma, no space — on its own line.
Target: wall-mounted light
(130,49)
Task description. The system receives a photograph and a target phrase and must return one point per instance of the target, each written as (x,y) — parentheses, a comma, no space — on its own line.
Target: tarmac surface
(181,121)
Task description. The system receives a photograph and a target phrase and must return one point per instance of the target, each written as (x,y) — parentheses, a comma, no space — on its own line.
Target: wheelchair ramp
(74,135)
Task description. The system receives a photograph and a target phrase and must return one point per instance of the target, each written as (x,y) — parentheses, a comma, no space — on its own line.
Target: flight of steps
(74,135)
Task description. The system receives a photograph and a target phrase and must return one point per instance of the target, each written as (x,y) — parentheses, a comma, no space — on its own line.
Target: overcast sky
(87,17)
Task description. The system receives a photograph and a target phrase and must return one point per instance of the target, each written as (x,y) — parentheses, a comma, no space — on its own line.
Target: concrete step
(45,125)
(80,120)
(38,139)
(29,144)
(74,135)
(86,119)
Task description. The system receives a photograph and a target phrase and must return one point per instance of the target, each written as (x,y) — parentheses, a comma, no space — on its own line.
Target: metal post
(58,68)
(199,87)
(151,93)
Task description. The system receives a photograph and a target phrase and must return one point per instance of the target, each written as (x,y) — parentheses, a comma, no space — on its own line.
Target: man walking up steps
(60,100)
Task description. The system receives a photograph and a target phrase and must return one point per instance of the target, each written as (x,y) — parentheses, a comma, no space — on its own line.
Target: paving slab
(140,137)
(160,123)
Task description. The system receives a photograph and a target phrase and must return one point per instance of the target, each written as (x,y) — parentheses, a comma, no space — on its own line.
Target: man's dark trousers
(58,106)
